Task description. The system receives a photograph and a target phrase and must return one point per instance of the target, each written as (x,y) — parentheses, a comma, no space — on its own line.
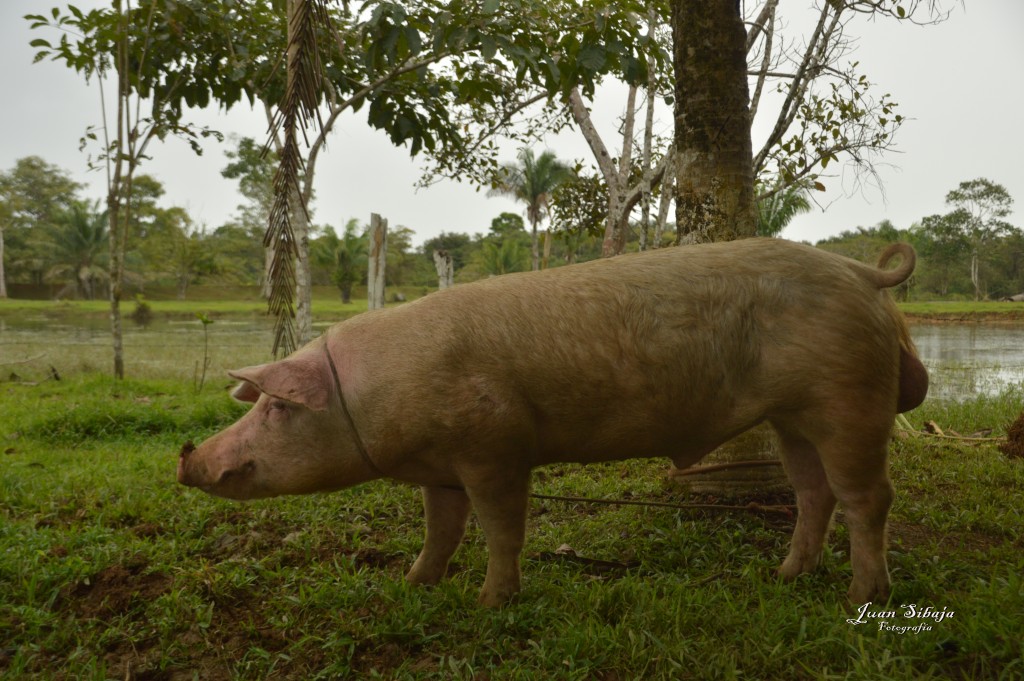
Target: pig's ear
(245,392)
(296,379)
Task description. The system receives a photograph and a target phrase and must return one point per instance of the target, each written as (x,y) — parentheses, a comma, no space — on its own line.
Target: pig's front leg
(445,510)
(500,502)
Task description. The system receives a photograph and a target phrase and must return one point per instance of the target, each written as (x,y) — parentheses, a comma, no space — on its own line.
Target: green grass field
(110,570)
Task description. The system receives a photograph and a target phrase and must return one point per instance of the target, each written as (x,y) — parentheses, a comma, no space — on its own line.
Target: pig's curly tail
(888,278)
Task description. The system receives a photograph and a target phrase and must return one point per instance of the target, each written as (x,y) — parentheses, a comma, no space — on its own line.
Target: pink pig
(664,353)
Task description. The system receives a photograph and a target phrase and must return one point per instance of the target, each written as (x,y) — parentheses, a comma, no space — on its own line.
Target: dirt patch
(115,590)
(1014,445)
(909,536)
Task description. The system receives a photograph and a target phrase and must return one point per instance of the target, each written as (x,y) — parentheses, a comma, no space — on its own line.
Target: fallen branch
(784,509)
(932,429)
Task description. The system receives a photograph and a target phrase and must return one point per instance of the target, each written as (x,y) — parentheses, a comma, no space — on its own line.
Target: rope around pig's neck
(360,447)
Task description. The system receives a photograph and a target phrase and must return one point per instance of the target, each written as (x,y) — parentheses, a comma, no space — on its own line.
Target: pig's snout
(186,450)
(209,472)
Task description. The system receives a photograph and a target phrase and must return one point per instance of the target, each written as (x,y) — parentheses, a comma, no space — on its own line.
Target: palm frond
(299,108)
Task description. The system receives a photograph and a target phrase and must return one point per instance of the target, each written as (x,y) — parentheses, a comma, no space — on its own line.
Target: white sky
(955,81)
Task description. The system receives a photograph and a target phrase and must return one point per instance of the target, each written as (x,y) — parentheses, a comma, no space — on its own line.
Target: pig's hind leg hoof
(446,510)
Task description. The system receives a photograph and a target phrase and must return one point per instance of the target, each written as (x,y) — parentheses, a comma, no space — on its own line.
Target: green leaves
(847,121)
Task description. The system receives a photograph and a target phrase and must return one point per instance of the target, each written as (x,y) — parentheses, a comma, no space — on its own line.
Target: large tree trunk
(715,192)
(714,172)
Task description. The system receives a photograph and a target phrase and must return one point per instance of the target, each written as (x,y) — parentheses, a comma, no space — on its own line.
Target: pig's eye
(278,406)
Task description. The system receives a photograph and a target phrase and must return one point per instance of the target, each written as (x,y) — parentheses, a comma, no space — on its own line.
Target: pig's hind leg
(858,473)
(852,447)
(446,510)
(815,504)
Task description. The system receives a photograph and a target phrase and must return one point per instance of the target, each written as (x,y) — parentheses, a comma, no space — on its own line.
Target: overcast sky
(957,82)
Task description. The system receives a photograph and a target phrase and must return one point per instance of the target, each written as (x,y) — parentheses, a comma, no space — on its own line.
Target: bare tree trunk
(116,200)
(621,196)
(547,248)
(668,185)
(974,275)
(3,274)
(645,198)
(444,265)
(378,251)
(303,276)
(268,259)
(116,278)
(534,250)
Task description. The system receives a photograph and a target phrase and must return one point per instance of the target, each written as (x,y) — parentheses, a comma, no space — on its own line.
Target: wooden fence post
(378,250)
(445,269)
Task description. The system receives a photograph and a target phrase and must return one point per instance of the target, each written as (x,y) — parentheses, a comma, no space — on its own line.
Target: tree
(34,196)
(531,181)
(507,224)
(776,210)
(120,39)
(421,69)
(344,257)
(502,257)
(404,265)
(714,170)
(237,255)
(254,171)
(455,243)
(77,247)
(979,209)
(175,248)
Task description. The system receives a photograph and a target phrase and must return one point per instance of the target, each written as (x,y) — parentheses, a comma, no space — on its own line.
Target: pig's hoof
(875,591)
(496,599)
(794,566)
(423,577)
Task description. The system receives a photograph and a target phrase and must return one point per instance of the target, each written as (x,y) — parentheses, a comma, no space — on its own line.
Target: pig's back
(627,356)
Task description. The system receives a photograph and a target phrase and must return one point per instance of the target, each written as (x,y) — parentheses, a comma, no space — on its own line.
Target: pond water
(970,359)
(962,359)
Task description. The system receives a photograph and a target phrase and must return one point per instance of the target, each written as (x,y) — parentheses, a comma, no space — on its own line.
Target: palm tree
(503,257)
(344,256)
(78,247)
(532,180)
(776,211)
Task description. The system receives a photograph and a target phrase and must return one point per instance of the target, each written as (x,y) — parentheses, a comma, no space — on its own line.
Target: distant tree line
(54,236)
(968,252)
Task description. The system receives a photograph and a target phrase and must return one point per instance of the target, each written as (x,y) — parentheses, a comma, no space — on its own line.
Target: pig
(666,353)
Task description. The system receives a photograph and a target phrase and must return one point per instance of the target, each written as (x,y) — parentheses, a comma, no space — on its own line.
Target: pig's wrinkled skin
(665,353)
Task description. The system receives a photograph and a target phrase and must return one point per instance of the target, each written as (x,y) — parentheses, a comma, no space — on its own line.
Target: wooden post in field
(378,249)
(445,269)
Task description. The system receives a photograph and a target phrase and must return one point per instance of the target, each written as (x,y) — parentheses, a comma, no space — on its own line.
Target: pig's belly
(684,447)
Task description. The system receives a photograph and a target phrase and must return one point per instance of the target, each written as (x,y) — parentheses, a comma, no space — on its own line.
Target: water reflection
(963,360)
(970,359)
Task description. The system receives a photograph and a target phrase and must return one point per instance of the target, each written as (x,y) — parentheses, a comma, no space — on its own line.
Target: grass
(108,569)
(239,302)
(961,310)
